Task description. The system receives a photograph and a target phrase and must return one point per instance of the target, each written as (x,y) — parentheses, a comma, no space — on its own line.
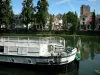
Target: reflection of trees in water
(84,52)
(92,50)
(90,47)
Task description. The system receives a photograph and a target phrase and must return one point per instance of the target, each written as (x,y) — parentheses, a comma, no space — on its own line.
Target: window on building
(83,19)
(83,23)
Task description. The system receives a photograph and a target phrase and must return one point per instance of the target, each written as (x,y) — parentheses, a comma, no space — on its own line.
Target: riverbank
(61,35)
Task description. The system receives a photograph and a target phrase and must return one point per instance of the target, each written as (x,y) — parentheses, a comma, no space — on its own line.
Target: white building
(58,22)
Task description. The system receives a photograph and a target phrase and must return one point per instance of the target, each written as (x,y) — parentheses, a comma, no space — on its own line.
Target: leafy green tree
(9,13)
(73,19)
(93,21)
(42,12)
(1,13)
(6,13)
(76,23)
(51,22)
(27,13)
(70,17)
(64,18)
(92,50)
(11,18)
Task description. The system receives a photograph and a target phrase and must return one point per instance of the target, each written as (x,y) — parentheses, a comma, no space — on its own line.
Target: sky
(61,6)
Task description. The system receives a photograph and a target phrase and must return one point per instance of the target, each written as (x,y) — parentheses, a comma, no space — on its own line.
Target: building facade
(97,28)
(85,18)
(58,22)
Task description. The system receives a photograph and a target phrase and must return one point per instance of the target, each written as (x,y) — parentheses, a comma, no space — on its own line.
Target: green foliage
(6,13)
(93,21)
(72,18)
(50,22)
(42,12)
(2,11)
(76,23)
(64,18)
(27,14)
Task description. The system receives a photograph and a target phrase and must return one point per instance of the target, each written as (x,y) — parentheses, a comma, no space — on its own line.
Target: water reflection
(90,48)
(90,53)
(24,72)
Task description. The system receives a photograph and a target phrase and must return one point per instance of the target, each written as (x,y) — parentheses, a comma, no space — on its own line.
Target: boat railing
(47,40)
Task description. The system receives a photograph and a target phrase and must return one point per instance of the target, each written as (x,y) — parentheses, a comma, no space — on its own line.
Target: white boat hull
(39,60)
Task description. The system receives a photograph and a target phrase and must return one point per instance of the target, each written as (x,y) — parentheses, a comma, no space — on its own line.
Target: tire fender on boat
(51,62)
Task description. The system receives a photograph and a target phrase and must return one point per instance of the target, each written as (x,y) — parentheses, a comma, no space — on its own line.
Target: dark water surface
(89,64)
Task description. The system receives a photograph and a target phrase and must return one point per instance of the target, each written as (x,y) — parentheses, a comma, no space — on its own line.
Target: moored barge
(45,51)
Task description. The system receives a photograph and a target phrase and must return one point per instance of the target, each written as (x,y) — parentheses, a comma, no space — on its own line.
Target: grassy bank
(61,35)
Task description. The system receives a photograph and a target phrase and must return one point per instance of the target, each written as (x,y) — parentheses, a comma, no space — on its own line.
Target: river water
(89,64)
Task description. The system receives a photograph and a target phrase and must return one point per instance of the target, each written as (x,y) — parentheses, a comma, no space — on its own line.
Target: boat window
(1,49)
